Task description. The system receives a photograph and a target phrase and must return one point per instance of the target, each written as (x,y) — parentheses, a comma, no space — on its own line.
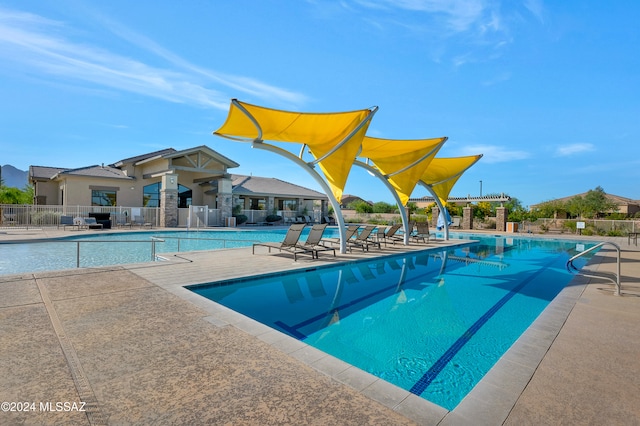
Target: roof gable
(44,172)
(143,157)
(254,185)
(95,171)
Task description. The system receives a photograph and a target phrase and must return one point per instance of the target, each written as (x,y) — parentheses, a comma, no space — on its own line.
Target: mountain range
(13,177)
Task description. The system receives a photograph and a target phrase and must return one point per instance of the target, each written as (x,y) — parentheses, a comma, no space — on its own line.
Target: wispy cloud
(576,148)
(536,8)
(454,16)
(44,45)
(494,153)
(464,31)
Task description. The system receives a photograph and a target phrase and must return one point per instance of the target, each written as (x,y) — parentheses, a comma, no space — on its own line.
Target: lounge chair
(314,241)
(351,231)
(9,219)
(139,220)
(329,220)
(87,222)
(121,220)
(422,232)
(391,234)
(67,221)
(363,239)
(290,242)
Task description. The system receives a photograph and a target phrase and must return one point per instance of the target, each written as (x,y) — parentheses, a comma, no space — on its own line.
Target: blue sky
(549,92)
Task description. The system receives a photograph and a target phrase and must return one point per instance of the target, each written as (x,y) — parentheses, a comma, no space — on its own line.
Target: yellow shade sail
(443,173)
(333,139)
(403,162)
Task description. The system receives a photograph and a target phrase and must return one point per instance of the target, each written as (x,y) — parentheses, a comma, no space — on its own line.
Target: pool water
(104,249)
(432,322)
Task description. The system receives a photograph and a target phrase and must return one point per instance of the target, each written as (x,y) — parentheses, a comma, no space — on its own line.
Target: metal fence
(26,216)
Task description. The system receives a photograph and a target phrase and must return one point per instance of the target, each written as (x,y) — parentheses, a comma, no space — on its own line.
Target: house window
(291,205)
(184,197)
(258,204)
(151,195)
(100,197)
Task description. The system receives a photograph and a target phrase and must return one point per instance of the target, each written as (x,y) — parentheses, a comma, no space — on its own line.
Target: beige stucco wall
(77,190)
(48,190)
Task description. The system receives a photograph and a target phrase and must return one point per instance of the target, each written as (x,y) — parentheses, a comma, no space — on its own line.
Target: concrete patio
(137,348)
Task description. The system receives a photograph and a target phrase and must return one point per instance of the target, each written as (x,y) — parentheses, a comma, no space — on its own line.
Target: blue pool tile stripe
(293,329)
(421,385)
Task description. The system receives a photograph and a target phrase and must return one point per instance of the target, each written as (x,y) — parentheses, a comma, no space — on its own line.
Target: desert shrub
(240,218)
(273,218)
(45,218)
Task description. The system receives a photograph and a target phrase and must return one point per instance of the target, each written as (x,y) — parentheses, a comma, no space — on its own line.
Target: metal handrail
(77,242)
(224,240)
(597,246)
(153,240)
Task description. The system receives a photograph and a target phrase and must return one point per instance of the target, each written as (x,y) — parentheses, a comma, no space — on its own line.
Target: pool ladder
(604,275)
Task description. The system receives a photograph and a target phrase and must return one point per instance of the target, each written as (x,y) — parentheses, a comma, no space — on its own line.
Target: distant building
(260,193)
(348,199)
(168,179)
(626,206)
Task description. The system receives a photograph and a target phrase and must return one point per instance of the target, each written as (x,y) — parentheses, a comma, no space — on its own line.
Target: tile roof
(44,172)
(145,156)
(617,199)
(255,185)
(97,171)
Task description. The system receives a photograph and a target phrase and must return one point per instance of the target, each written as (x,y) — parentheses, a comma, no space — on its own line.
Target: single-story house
(626,206)
(168,179)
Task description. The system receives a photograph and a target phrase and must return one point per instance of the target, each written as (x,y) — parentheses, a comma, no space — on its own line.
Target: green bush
(45,218)
(273,218)
(240,218)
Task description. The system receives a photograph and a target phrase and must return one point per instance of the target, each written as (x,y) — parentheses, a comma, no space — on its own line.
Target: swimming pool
(432,322)
(117,248)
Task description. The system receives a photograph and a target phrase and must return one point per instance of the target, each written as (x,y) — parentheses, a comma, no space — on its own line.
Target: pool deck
(131,345)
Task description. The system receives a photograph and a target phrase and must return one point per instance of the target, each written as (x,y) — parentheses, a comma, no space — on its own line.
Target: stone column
(435,212)
(324,210)
(271,205)
(225,198)
(501,219)
(169,201)
(467,217)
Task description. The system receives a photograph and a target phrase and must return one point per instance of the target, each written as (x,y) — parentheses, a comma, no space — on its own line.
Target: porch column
(467,217)
(324,211)
(501,219)
(435,212)
(271,205)
(169,201)
(225,198)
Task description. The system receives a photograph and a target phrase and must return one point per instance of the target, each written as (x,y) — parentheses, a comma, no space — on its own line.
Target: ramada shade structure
(442,175)
(400,164)
(335,140)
